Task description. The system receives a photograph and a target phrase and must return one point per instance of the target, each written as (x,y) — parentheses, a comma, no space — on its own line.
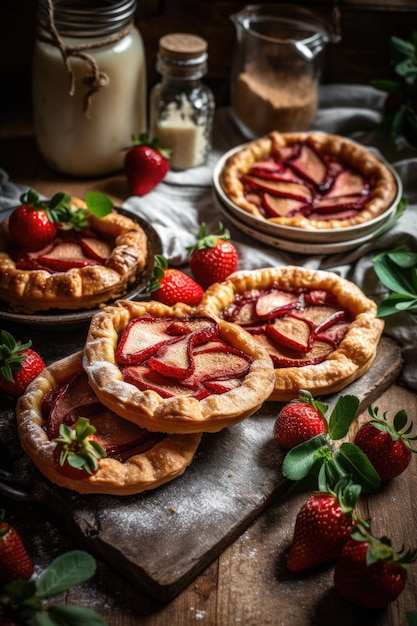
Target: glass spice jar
(89,84)
(181,106)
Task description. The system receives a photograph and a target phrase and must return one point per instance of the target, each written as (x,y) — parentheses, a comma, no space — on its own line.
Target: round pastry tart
(319,329)
(79,268)
(171,369)
(308,180)
(135,460)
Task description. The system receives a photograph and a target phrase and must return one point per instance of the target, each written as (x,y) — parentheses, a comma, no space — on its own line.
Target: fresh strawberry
(78,451)
(30,225)
(14,559)
(213,258)
(368,572)
(19,364)
(171,285)
(299,421)
(386,444)
(146,164)
(322,527)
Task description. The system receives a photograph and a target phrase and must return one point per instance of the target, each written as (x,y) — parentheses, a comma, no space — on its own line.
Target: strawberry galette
(171,369)
(79,268)
(308,180)
(132,460)
(319,329)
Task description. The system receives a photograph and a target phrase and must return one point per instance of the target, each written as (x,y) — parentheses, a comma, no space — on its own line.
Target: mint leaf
(98,204)
(65,571)
(342,416)
(358,466)
(70,615)
(299,461)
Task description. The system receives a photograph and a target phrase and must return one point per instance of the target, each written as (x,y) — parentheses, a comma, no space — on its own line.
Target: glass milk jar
(181,106)
(89,84)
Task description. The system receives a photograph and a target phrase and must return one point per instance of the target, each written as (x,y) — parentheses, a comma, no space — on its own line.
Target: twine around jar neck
(96,80)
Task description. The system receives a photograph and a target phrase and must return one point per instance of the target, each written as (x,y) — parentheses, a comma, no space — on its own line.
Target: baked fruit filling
(174,357)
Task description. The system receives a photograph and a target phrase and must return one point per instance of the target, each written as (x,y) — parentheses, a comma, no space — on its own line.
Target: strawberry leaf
(70,615)
(299,461)
(342,416)
(357,465)
(69,569)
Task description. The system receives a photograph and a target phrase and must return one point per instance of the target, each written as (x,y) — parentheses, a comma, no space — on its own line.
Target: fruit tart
(319,329)
(171,369)
(63,256)
(308,180)
(131,459)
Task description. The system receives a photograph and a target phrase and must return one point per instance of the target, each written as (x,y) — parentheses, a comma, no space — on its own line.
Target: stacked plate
(299,240)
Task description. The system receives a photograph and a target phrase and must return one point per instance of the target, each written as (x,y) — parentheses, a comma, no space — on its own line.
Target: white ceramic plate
(324,235)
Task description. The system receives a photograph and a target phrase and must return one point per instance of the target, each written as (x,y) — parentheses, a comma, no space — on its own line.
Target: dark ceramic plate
(56,319)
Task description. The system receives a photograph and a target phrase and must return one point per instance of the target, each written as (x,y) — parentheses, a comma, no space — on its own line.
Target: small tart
(310,301)
(159,464)
(182,412)
(333,183)
(32,290)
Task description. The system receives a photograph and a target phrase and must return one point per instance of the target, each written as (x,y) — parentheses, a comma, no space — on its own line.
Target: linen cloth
(178,205)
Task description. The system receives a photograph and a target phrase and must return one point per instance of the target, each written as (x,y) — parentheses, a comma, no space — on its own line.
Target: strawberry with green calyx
(387,444)
(320,461)
(300,420)
(25,601)
(78,451)
(15,562)
(368,572)
(212,258)
(19,364)
(170,285)
(146,164)
(322,526)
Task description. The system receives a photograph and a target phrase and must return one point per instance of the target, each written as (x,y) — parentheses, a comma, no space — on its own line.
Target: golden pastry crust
(179,414)
(354,354)
(141,472)
(381,196)
(29,291)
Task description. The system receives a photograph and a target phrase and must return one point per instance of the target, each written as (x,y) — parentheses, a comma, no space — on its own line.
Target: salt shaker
(181,106)
(89,84)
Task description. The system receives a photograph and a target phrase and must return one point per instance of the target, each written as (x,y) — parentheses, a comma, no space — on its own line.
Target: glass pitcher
(276,67)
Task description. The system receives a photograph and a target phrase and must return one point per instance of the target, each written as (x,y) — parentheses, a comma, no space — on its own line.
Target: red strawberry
(213,258)
(171,285)
(19,364)
(78,451)
(386,444)
(146,164)
(368,572)
(14,559)
(322,527)
(30,225)
(299,421)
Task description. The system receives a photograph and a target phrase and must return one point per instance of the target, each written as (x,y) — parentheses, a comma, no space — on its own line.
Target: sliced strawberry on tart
(320,330)
(80,444)
(68,254)
(174,370)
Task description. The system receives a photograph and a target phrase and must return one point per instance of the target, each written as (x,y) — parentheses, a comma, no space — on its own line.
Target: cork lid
(183,47)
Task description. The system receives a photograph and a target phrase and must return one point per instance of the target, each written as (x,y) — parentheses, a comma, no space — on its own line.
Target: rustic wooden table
(248,583)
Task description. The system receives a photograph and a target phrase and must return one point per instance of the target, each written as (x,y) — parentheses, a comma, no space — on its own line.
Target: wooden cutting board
(163,539)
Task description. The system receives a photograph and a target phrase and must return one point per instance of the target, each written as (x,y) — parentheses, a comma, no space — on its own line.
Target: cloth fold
(178,205)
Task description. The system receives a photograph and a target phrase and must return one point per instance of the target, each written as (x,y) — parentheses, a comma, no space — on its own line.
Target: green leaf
(299,461)
(399,211)
(358,466)
(394,303)
(342,416)
(70,615)
(386,85)
(390,271)
(59,200)
(65,571)
(98,204)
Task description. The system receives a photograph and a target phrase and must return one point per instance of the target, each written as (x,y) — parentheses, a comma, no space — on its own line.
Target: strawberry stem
(12,355)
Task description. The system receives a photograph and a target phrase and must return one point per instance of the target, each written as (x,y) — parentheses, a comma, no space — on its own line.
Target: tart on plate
(319,329)
(174,370)
(136,460)
(310,181)
(78,269)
